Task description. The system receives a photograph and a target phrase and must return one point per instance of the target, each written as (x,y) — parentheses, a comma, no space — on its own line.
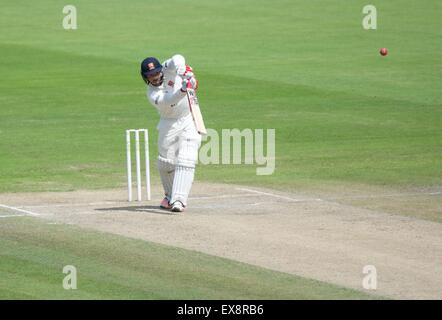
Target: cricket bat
(196,111)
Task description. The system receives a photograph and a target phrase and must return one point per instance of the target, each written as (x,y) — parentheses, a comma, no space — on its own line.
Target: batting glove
(191,83)
(185,71)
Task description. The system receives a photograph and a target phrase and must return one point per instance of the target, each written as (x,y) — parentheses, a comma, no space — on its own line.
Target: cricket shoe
(178,206)
(165,204)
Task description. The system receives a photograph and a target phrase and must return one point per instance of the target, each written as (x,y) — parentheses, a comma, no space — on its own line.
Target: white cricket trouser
(178,144)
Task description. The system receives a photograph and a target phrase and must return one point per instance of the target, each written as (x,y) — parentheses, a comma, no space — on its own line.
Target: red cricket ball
(383,51)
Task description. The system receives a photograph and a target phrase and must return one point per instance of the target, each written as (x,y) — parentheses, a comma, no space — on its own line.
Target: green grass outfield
(33,254)
(342,113)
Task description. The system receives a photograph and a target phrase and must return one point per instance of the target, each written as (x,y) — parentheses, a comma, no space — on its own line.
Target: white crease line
(258,203)
(223,196)
(277,196)
(14,215)
(75,204)
(20,210)
(394,195)
(340,198)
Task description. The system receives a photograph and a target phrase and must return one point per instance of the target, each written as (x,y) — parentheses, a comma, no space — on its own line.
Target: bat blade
(196,111)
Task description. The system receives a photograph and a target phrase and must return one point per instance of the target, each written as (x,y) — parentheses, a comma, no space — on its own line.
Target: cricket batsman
(178,138)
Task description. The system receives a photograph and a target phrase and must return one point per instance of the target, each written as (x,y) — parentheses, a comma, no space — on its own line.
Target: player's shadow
(139,209)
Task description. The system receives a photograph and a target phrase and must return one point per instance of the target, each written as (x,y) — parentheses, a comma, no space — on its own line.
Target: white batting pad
(182,184)
(166,169)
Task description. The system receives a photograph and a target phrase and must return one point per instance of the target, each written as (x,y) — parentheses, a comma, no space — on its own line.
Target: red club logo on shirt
(171,83)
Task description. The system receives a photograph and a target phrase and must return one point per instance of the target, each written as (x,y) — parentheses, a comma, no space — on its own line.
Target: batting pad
(182,184)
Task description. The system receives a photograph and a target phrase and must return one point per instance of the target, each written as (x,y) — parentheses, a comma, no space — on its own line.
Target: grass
(33,254)
(342,113)
(343,116)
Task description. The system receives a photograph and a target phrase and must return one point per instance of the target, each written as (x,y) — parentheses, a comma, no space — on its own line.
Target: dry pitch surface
(330,237)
